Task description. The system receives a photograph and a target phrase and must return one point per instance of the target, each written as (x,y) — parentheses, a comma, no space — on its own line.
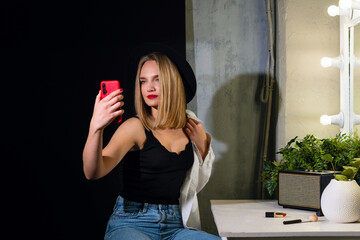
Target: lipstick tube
(275,214)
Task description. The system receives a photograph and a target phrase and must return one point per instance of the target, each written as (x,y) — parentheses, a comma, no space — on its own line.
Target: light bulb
(345,4)
(333,10)
(325,120)
(325,62)
(337,119)
(331,62)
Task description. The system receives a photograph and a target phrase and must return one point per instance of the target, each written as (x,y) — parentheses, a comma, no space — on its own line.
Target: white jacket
(195,180)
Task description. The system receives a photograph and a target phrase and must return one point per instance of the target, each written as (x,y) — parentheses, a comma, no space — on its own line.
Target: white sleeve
(205,166)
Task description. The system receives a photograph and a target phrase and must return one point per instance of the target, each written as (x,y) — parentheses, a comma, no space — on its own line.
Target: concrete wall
(227,47)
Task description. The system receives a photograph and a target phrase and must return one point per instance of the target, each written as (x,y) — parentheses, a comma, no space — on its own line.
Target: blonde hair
(172,104)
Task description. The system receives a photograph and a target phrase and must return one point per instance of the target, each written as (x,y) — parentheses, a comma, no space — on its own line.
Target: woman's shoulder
(133,123)
(133,130)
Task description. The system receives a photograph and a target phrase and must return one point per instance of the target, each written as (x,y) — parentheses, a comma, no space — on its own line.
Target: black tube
(292,221)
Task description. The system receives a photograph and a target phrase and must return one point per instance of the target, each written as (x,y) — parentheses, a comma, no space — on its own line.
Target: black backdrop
(53,57)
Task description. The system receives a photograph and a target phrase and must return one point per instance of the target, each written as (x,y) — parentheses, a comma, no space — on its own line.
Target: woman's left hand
(197,134)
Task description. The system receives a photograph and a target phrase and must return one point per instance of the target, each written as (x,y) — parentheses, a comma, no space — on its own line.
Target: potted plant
(314,154)
(340,200)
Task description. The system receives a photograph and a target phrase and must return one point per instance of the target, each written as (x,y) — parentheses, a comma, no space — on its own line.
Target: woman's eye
(141,82)
(157,80)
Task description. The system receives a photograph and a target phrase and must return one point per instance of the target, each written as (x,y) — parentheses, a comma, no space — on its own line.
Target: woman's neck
(154,112)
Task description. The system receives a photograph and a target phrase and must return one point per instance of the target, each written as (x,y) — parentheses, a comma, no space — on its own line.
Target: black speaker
(302,189)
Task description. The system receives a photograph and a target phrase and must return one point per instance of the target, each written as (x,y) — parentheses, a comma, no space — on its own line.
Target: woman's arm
(97,162)
(105,111)
(92,153)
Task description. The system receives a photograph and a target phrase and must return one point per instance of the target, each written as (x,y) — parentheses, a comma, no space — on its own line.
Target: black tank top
(157,175)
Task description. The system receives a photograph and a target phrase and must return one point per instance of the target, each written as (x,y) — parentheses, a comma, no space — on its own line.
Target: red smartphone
(108,87)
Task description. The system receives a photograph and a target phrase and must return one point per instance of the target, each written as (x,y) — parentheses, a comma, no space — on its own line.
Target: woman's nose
(150,87)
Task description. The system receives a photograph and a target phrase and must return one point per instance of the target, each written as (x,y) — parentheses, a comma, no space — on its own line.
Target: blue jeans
(142,221)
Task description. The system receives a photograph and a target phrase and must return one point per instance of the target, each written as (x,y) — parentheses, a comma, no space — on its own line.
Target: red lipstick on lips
(151,96)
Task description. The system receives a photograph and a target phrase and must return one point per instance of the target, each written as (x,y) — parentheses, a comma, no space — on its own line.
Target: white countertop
(246,218)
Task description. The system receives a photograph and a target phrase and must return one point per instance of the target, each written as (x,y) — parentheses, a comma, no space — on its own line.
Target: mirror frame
(353,23)
(347,73)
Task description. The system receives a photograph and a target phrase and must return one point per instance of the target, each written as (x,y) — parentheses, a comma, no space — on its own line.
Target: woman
(175,158)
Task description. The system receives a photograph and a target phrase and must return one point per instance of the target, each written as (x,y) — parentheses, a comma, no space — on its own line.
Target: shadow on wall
(236,121)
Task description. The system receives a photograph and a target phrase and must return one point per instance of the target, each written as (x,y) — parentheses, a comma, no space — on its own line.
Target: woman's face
(150,84)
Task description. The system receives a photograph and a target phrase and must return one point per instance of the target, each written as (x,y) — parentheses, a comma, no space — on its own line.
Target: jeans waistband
(146,206)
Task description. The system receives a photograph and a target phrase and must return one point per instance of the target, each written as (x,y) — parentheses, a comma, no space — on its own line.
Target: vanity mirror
(349,64)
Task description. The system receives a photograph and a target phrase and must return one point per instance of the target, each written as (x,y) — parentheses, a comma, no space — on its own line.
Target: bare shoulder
(132,123)
(133,130)
(131,126)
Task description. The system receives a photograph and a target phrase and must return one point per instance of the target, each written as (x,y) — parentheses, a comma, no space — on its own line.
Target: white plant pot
(340,201)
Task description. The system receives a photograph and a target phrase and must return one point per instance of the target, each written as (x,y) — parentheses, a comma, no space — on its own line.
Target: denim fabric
(142,221)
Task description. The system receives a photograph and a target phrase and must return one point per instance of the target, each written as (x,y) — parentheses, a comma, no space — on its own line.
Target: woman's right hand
(107,109)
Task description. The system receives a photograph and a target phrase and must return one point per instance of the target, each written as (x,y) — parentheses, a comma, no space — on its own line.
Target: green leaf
(350,167)
(356,162)
(341,177)
(327,157)
(277,164)
(270,186)
(348,172)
